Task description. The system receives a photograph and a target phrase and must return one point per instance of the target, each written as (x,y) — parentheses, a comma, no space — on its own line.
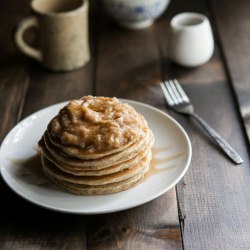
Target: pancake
(80,189)
(89,131)
(79,171)
(56,173)
(101,163)
(96,145)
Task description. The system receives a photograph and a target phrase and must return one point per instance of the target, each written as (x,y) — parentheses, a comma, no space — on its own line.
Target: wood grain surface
(153,225)
(14,70)
(236,49)
(211,204)
(213,193)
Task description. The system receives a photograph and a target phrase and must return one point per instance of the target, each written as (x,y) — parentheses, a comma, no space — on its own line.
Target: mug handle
(21,44)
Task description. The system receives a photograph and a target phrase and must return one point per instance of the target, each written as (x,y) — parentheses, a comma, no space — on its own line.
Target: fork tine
(181,91)
(166,95)
(169,89)
(175,92)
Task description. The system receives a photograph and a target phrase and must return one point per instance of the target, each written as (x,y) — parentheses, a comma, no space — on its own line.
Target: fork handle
(227,149)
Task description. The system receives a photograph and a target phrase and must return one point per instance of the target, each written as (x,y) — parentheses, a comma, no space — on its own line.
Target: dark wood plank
(23,225)
(214,188)
(14,80)
(213,194)
(232,22)
(128,63)
(150,226)
(14,72)
(47,88)
(129,66)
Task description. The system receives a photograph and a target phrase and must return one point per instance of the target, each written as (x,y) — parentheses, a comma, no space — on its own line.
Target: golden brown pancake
(81,189)
(102,163)
(56,173)
(82,171)
(96,145)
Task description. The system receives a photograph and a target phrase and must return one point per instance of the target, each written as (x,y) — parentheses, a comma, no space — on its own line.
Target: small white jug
(191,40)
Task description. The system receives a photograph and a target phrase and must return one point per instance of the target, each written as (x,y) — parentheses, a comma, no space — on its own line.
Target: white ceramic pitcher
(191,41)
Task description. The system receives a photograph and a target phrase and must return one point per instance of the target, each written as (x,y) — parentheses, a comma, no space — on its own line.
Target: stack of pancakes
(96,145)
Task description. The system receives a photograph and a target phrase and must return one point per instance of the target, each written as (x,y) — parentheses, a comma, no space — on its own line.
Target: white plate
(172,156)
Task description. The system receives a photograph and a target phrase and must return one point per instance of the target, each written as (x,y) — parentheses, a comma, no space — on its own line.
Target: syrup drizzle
(156,161)
(30,170)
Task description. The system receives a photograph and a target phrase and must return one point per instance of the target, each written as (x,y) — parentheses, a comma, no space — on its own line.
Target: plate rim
(136,204)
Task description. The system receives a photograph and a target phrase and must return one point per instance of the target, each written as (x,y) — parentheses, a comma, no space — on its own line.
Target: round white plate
(172,155)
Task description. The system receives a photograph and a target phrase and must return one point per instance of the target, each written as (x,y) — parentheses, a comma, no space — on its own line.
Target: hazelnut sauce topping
(97,124)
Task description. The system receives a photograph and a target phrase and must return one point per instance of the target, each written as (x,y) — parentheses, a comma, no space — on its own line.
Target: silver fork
(179,102)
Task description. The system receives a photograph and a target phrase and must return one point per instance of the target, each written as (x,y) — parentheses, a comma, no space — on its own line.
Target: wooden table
(209,208)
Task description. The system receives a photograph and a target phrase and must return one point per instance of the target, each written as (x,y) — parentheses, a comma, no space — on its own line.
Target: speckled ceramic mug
(62,33)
